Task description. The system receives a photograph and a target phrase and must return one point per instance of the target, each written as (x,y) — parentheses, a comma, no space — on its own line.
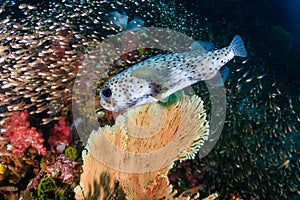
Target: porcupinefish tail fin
(237,46)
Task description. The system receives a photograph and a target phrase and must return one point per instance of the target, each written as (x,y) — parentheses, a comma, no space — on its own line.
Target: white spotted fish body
(158,77)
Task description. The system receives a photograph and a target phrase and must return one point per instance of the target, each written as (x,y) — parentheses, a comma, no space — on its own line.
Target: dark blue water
(255,19)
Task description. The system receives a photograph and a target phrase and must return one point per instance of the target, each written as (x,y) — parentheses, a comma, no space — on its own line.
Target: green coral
(71,152)
(64,194)
(49,189)
(46,189)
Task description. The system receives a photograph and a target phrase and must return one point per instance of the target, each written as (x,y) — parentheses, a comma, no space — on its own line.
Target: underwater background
(43,43)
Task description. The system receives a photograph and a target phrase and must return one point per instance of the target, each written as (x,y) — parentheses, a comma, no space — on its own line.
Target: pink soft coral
(22,135)
(63,169)
(60,135)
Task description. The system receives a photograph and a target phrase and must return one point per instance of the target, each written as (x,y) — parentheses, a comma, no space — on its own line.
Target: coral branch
(60,135)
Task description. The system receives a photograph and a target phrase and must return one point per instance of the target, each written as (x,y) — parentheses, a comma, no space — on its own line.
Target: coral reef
(22,168)
(14,170)
(182,131)
(48,188)
(63,169)
(41,48)
(41,51)
(60,172)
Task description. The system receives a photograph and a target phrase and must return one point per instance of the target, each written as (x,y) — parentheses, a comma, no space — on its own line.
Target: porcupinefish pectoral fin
(196,46)
(237,46)
(179,94)
(219,79)
(172,98)
(202,45)
(156,79)
(164,100)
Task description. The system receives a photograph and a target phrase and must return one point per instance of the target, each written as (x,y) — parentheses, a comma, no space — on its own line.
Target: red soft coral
(22,136)
(60,134)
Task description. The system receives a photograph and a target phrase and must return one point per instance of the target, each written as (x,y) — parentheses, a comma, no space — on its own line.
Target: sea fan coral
(22,136)
(176,132)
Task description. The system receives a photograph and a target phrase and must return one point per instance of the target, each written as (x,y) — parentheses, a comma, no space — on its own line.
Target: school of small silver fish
(258,152)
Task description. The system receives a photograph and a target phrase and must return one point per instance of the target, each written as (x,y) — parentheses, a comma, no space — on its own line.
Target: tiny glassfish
(285,164)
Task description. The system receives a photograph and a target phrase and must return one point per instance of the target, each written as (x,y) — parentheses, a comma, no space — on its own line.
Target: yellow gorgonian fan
(138,151)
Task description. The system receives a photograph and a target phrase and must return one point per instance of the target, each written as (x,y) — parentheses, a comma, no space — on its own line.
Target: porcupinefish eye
(106,93)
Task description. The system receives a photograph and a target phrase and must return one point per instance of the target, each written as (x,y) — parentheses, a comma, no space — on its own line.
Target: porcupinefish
(156,78)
